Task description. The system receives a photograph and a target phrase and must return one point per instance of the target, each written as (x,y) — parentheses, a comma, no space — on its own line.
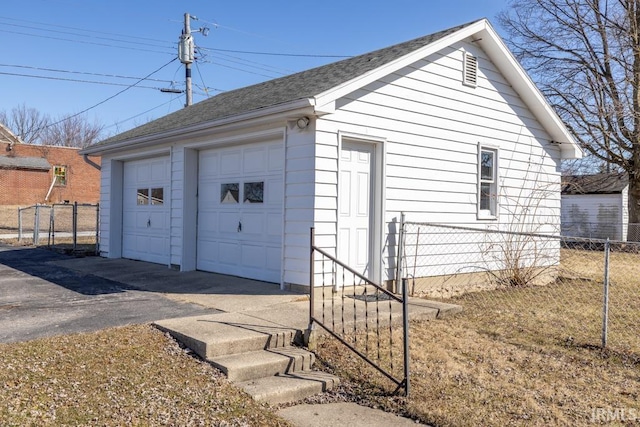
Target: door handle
(239,226)
(149,222)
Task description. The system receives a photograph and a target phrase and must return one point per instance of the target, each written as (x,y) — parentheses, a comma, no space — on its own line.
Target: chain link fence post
(74,226)
(605,304)
(400,255)
(36,226)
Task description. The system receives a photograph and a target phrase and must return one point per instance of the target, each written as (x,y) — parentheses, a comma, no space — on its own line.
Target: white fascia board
(333,94)
(301,106)
(509,66)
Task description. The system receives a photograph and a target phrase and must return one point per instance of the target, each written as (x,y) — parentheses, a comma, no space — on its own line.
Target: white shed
(446,128)
(595,206)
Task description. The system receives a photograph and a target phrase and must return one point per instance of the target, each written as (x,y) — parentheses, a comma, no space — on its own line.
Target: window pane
(60,172)
(229,193)
(485,197)
(157,196)
(486,165)
(253,192)
(143,196)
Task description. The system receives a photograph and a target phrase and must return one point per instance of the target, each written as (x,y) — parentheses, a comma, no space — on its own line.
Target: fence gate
(69,226)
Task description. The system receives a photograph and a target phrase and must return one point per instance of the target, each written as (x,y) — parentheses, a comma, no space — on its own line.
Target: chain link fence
(529,288)
(601,230)
(69,227)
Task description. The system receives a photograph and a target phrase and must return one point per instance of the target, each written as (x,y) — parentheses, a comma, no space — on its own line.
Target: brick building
(31,174)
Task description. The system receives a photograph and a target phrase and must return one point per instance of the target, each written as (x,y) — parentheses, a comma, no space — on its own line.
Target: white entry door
(240,197)
(355,206)
(145,216)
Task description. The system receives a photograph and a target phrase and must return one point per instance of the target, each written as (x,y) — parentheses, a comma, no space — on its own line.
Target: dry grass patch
(519,356)
(133,375)
(463,377)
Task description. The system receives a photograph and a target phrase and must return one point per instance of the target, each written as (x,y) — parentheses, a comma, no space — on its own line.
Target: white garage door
(145,216)
(240,195)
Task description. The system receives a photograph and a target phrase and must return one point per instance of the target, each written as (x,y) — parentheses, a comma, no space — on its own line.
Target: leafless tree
(27,123)
(72,131)
(585,57)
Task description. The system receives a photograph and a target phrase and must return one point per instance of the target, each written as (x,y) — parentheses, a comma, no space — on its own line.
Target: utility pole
(186,55)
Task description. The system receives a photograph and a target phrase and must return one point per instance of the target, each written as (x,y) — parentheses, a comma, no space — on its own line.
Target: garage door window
(157,196)
(253,192)
(151,196)
(229,193)
(143,196)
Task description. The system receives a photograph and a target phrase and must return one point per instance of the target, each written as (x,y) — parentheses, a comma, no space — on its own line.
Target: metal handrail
(313,319)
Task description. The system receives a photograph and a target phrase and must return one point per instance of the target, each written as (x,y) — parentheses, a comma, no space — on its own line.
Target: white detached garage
(443,128)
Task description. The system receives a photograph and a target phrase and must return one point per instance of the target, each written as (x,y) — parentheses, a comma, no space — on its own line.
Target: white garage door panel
(229,253)
(242,239)
(145,228)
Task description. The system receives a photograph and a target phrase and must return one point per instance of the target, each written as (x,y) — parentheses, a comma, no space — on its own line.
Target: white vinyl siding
(298,203)
(432,126)
(105,205)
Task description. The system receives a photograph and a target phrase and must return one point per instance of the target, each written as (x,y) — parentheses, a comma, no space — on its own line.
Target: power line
(206,91)
(84,42)
(80,29)
(144,112)
(73,80)
(240,69)
(82,35)
(301,55)
(55,70)
(247,62)
(256,67)
(109,98)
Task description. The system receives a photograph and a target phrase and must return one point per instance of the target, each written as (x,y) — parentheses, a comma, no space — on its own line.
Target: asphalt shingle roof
(601,183)
(33,163)
(305,84)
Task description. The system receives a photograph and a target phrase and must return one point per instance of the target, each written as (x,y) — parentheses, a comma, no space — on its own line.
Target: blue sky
(97,40)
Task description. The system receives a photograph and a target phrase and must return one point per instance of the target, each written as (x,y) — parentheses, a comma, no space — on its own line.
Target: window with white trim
(487,182)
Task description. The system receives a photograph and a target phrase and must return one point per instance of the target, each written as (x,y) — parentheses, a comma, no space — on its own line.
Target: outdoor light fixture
(302,122)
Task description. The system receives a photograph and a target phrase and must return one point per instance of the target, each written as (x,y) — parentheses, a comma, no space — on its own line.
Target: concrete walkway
(243,302)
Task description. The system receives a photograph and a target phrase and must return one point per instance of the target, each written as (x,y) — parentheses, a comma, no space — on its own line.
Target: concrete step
(263,363)
(223,334)
(289,387)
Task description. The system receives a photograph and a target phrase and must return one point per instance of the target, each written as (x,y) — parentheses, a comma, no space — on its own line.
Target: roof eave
(204,127)
(509,66)
(333,94)
(488,39)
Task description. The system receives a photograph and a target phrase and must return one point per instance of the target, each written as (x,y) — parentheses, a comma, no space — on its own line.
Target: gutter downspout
(91,162)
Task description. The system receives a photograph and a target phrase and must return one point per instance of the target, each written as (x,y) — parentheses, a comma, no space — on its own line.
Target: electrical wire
(55,70)
(240,69)
(84,35)
(202,79)
(80,29)
(84,42)
(299,55)
(74,80)
(144,112)
(248,63)
(255,67)
(109,98)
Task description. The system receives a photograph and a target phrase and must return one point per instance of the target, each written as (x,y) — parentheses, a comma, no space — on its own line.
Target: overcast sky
(64,44)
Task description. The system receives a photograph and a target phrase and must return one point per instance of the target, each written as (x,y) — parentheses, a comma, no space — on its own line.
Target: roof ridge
(301,85)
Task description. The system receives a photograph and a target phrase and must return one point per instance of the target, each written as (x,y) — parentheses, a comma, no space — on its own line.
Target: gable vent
(470,70)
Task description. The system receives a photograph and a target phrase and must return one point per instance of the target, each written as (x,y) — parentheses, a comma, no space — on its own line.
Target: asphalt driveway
(40,297)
